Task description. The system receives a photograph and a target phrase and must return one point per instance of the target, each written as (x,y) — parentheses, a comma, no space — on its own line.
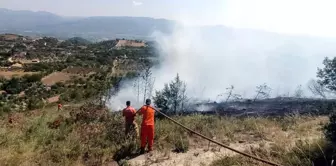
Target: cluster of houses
(20,46)
(8,44)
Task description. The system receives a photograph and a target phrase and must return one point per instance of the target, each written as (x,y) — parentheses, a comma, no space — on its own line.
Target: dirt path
(193,157)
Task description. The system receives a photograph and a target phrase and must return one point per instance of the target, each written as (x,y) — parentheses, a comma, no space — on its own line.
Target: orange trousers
(147,134)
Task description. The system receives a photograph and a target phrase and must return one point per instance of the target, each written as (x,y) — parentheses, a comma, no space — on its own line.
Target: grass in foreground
(91,136)
(318,152)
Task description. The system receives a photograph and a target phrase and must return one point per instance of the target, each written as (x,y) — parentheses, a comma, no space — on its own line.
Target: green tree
(327,79)
(327,75)
(172,98)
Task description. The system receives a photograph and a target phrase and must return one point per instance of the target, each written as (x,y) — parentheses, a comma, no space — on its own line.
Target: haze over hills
(48,24)
(194,51)
(44,23)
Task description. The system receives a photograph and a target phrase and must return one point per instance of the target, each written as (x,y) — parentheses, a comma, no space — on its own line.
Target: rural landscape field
(256,98)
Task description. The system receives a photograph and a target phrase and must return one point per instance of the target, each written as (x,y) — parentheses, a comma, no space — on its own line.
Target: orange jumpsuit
(147,126)
(129,114)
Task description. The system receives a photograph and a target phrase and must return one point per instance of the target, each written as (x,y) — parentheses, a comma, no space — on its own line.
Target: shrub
(34,103)
(330,129)
(33,77)
(181,145)
(90,113)
(304,153)
(319,153)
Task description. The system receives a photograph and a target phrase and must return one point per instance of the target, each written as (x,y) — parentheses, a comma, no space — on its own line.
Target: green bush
(330,129)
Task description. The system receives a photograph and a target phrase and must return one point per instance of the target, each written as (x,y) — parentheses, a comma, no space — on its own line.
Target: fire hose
(218,143)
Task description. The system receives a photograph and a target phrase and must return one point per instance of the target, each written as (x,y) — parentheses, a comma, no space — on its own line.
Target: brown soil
(130,43)
(55,77)
(53,99)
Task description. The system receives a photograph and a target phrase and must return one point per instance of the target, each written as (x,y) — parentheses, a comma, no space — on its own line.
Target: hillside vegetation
(85,76)
(74,69)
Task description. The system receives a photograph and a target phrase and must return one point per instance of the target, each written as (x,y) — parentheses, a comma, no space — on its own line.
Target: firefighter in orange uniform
(130,125)
(147,126)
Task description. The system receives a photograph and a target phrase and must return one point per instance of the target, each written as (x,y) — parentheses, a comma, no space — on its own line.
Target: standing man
(130,125)
(147,126)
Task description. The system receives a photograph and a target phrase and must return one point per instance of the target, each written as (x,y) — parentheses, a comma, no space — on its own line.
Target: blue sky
(314,17)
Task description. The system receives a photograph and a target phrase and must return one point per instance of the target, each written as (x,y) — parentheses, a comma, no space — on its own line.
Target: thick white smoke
(210,59)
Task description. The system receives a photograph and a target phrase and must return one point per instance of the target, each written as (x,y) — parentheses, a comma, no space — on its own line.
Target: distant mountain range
(109,27)
(246,57)
(44,23)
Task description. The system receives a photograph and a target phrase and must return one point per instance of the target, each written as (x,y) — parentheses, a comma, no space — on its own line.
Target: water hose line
(218,143)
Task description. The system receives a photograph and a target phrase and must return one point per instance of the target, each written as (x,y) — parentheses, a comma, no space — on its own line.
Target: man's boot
(142,150)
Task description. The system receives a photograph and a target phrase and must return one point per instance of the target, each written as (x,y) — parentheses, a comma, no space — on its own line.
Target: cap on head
(128,103)
(148,101)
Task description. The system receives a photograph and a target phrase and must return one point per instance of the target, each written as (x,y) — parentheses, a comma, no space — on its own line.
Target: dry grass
(303,153)
(89,136)
(249,130)
(71,137)
(252,134)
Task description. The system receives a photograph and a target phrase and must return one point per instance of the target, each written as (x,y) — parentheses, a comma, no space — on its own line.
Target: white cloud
(137,3)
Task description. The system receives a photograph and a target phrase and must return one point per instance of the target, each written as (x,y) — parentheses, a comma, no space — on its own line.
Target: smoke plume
(211,59)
